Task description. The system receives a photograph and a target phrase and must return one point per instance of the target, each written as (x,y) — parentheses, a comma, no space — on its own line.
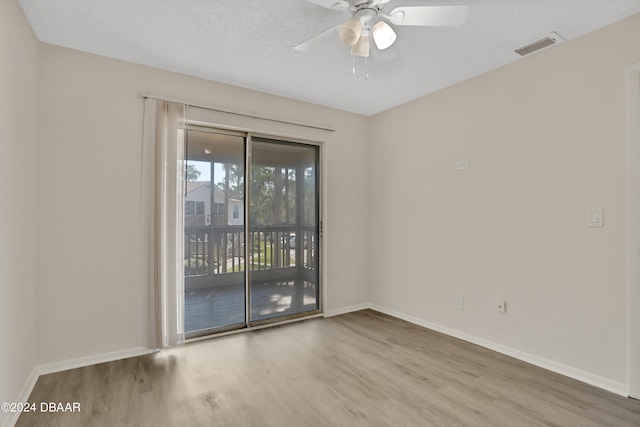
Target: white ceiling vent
(544,42)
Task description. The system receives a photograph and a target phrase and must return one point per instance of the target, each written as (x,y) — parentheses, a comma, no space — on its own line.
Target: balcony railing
(220,251)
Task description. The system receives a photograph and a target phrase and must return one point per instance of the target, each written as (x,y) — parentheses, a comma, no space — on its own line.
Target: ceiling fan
(369,20)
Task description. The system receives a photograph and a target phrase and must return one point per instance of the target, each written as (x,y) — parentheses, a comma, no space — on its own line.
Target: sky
(205,170)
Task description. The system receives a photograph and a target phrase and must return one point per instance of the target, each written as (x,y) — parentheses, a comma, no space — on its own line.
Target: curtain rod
(238,113)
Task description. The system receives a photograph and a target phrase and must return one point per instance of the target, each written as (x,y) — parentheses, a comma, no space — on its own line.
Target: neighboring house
(197,206)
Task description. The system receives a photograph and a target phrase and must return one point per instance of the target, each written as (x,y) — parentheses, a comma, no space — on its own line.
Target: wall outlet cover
(462,165)
(501,306)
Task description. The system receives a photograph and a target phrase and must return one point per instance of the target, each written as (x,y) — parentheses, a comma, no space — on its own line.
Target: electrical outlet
(462,165)
(459,303)
(501,306)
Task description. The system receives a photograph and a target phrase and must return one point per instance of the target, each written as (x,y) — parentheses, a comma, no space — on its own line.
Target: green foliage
(273,193)
(192,173)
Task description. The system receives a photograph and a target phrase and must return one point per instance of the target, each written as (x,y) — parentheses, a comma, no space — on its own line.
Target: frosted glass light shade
(383,35)
(361,48)
(350,32)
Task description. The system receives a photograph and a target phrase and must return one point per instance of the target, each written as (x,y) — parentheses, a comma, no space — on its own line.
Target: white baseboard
(80,362)
(12,417)
(345,310)
(50,368)
(559,368)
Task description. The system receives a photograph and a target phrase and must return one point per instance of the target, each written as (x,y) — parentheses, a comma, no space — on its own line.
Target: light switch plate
(595,217)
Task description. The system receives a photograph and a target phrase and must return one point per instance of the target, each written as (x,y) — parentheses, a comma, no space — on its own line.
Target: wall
(546,139)
(633,239)
(18,139)
(91,299)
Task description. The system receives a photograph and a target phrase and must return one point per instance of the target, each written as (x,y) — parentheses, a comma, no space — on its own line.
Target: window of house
(193,207)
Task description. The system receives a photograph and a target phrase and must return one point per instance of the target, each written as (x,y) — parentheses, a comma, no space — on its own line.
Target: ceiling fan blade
(430,16)
(332,4)
(317,39)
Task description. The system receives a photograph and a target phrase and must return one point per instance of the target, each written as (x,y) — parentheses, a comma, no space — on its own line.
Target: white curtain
(161,220)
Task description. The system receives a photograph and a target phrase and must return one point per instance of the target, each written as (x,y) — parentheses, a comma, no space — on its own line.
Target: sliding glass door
(214,232)
(284,229)
(272,224)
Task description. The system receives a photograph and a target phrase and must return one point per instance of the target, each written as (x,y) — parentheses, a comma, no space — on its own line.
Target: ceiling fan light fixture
(383,35)
(361,48)
(350,32)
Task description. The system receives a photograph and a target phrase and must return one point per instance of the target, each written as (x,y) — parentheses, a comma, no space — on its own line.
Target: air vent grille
(544,42)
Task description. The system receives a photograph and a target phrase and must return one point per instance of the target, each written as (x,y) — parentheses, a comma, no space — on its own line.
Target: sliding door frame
(248,137)
(319,210)
(248,239)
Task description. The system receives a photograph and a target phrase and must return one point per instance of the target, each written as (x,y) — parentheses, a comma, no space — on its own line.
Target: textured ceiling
(249,43)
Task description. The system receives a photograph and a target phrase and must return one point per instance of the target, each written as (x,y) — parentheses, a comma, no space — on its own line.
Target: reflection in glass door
(274,227)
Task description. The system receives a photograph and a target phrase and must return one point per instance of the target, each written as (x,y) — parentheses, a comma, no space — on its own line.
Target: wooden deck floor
(223,306)
(359,369)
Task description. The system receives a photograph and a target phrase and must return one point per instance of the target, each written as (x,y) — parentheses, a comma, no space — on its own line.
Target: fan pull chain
(366,67)
(353,69)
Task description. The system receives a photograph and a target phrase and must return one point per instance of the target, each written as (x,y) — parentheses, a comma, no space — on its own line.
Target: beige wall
(18,138)
(89,177)
(546,139)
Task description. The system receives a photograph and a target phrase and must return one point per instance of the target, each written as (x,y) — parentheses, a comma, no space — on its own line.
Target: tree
(192,173)
(234,180)
(273,192)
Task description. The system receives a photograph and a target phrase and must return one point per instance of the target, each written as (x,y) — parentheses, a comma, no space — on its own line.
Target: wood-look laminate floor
(358,369)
